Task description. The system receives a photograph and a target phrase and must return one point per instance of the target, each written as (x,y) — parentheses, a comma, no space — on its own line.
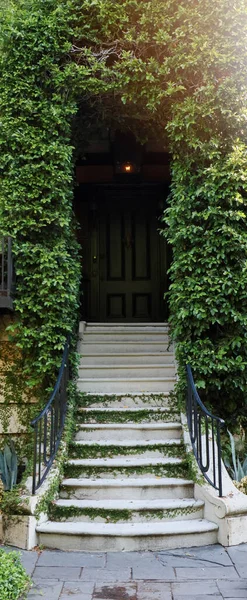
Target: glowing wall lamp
(127,154)
(126,167)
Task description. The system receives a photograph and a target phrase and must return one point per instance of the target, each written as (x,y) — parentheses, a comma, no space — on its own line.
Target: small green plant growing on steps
(8,466)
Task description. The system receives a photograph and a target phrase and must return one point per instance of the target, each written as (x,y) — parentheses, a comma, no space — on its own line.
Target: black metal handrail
(204,428)
(6,272)
(48,425)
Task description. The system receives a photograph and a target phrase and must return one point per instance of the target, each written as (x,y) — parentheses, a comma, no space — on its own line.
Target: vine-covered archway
(174,68)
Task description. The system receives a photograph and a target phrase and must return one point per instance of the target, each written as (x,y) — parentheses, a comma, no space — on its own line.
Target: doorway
(126,261)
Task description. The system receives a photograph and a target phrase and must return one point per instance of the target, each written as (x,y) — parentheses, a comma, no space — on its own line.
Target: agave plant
(237,469)
(8,466)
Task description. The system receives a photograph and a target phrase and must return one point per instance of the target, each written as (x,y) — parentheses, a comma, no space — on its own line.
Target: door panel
(142,306)
(115,251)
(141,259)
(116,306)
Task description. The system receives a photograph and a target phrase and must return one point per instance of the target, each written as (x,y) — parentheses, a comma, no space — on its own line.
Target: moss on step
(98,451)
(62,513)
(160,470)
(87,400)
(170,513)
(140,416)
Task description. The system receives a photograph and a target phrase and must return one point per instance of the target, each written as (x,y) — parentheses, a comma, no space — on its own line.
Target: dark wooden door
(131,286)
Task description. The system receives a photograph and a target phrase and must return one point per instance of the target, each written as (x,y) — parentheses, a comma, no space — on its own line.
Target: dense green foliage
(207,213)
(36,185)
(13,578)
(173,69)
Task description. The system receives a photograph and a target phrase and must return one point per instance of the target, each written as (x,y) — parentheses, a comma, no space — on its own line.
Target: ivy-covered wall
(37,181)
(176,70)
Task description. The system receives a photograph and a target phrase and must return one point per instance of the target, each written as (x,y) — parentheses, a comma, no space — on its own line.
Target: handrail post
(34,460)
(6,272)
(2,265)
(9,267)
(219,459)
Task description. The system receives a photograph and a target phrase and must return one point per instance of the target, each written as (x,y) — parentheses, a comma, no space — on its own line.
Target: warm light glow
(126,167)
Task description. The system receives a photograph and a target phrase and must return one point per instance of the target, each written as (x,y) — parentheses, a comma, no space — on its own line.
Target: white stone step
(129,371)
(134,325)
(129,432)
(156,415)
(146,449)
(131,488)
(123,336)
(147,358)
(102,537)
(124,461)
(125,464)
(124,347)
(123,386)
(128,327)
(137,402)
(131,443)
(140,510)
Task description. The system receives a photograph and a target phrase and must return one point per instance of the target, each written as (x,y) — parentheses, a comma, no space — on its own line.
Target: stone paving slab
(77,591)
(213,554)
(154,571)
(185,574)
(118,560)
(238,555)
(85,587)
(195,557)
(151,590)
(118,591)
(206,573)
(195,588)
(218,597)
(73,595)
(60,573)
(29,560)
(230,589)
(70,559)
(106,574)
(48,590)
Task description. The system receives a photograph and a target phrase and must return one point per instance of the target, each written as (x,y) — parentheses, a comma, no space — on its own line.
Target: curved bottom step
(111,537)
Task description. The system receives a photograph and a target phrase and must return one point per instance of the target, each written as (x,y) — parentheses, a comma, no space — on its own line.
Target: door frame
(92,311)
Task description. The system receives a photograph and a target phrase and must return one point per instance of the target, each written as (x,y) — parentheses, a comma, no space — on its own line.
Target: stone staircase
(127,484)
